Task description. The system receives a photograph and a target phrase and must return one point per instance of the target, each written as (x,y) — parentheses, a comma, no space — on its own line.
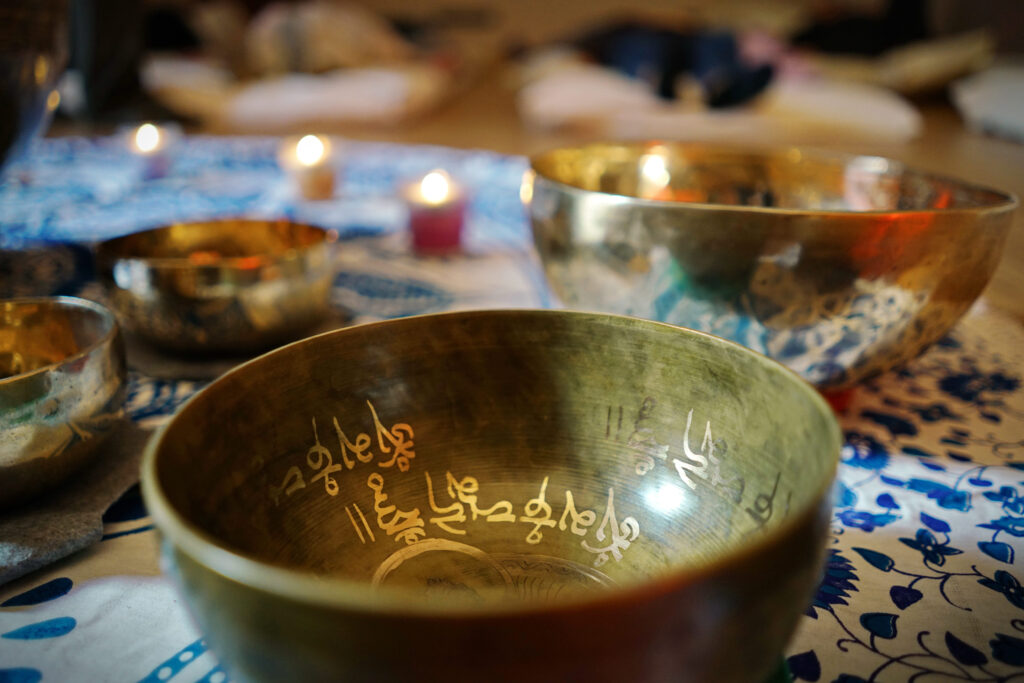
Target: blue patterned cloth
(926,560)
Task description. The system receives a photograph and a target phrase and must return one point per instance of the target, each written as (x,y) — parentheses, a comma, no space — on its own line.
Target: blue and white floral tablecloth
(926,561)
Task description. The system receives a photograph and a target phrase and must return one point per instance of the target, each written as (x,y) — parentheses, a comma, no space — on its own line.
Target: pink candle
(436,212)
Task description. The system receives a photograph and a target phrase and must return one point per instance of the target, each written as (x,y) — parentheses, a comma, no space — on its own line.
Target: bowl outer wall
(838,296)
(79,403)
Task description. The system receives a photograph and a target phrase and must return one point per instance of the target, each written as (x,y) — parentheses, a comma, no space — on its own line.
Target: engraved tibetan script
(461,505)
(402,525)
(620,536)
(394,445)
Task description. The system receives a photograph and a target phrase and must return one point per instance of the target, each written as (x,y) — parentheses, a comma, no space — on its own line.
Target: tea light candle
(310,164)
(436,211)
(151,142)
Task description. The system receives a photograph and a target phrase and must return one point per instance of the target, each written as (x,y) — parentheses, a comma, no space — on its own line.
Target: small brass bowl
(840,267)
(62,377)
(219,286)
(498,496)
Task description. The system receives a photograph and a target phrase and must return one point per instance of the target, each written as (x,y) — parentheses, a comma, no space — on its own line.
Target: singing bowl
(220,286)
(840,267)
(62,378)
(498,496)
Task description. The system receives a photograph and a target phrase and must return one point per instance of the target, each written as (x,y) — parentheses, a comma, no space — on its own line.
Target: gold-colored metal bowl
(62,378)
(840,267)
(498,496)
(219,286)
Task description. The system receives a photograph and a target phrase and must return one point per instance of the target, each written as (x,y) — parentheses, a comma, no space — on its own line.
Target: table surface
(924,571)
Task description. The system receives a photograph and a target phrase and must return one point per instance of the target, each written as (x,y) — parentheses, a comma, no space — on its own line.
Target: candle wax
(437,229)
(315,182)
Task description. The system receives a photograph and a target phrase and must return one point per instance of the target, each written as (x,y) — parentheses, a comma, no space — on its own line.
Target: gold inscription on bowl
(455,500)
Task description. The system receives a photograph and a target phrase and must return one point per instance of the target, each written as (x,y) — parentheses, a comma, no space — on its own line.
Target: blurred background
(937,83)
(511,72)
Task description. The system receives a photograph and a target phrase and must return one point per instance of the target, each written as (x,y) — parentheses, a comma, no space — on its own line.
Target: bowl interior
(36,333)
(781,178)
(216,242)
(465,458)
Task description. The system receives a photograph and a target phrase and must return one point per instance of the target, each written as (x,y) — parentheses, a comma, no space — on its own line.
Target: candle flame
(655,171)
(526,187)
(434,188)
(147,138)
(310,150)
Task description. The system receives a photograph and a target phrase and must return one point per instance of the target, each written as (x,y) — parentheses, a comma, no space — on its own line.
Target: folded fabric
(380,95)
(68,519)
(793,110)
(582,92)
(993,101)
(43,268)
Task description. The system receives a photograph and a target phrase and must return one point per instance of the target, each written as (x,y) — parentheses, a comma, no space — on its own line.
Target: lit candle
(436,211)
(654,176)
(309,162)
(152,142)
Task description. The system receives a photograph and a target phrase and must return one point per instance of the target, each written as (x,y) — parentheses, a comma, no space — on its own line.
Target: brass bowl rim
(106,249)
(357,596)
(1006,201)
(70,302)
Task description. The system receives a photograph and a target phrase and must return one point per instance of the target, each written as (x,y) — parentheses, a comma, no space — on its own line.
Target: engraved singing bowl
(498,496)
(221,286)
(62,377)
(840,267)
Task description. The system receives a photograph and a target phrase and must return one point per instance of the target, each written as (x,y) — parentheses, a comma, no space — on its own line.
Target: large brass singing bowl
(219,286)
(840,267)
(498,496)
(62,378)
